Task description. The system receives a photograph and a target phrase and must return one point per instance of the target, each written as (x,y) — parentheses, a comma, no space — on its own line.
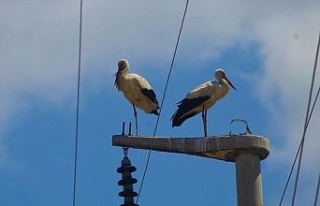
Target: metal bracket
(248,131)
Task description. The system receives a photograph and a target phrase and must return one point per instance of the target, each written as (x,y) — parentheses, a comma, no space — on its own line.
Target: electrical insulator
(127,182)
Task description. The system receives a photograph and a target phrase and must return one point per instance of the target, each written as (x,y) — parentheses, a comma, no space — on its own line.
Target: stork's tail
(155,112)
(178,118)
(177,122)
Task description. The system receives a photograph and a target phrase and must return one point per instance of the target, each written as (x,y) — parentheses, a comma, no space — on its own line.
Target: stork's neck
(122,72)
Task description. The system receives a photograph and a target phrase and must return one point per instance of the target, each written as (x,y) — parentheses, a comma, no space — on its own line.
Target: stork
(201,99)
(136,89)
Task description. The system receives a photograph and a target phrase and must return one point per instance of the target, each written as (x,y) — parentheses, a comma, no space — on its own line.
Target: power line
(298,150)
(78,108)
(163,98)
(289,177)
(305,127)
(308,118)
(317,191)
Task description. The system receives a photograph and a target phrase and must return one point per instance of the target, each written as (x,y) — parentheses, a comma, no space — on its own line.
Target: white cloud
(38,56)
(289,42)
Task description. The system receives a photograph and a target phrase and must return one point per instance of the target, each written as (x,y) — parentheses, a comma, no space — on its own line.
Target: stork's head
(123,66)
(221,75)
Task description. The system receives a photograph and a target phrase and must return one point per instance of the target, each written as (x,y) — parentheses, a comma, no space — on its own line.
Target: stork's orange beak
(229,82)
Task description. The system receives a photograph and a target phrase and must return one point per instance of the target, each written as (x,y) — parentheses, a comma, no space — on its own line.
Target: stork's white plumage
(201,99)
(136,89)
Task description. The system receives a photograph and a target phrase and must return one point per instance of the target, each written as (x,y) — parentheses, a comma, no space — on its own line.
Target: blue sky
(267,50)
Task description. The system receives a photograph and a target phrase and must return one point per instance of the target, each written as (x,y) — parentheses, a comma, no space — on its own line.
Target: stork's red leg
(202,115)
(204,120)
(136,118)
(205,123)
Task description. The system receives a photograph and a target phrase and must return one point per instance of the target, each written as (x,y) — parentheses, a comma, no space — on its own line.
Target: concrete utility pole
(245,150)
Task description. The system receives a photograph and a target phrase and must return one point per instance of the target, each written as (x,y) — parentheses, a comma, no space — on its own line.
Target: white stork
(136,89)
(201,99)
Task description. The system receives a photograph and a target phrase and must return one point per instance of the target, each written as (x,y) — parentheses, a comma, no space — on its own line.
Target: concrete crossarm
(226,147)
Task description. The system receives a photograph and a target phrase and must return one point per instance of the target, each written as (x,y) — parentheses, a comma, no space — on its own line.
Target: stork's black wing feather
(185,106)
(150,94)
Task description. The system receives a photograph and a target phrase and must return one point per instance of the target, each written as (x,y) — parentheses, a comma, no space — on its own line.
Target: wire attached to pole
(163,98)
(78,108)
